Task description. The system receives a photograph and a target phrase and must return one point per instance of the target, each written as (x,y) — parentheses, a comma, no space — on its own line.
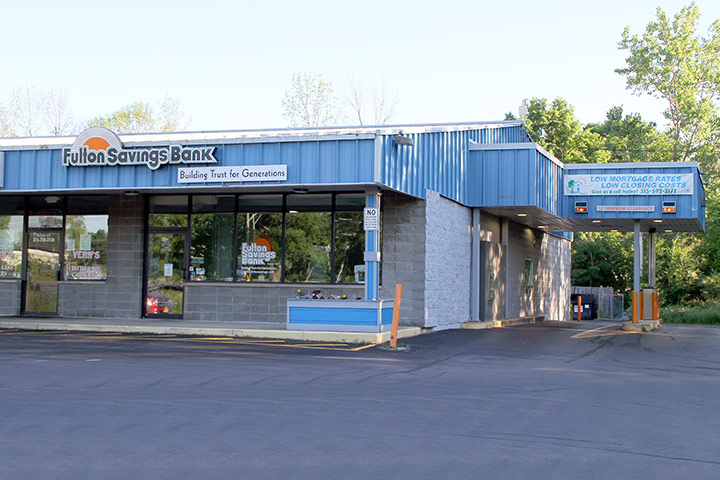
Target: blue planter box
(339,315)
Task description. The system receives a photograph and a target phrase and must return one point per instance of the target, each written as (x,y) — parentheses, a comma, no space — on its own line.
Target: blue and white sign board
(250,173)
(371,219)
(635,184)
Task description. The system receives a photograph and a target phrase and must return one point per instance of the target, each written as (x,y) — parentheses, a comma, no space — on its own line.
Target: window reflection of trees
(307,247)
(11,231)
(86,247)
(211,247)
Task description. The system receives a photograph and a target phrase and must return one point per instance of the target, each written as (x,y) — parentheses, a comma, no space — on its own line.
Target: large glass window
(211,243)
(86,247)
(308,238)
(86,235)
(11,236)
(349,265)
(259,243)
(11,241)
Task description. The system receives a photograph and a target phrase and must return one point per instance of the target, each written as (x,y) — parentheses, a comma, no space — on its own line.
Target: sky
(231,62)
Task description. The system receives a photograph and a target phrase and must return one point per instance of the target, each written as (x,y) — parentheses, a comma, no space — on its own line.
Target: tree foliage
(134,118)
(34,111)
(671,62)
(309,102)
(366,105)
(140,117)
(555,128)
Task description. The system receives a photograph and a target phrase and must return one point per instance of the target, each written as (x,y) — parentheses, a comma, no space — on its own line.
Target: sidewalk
(207,329)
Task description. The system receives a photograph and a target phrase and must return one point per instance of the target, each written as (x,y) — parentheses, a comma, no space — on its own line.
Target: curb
(315,336)
(643,326)
(501,323)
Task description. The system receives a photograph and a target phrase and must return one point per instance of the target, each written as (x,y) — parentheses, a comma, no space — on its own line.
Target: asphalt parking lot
(536,401)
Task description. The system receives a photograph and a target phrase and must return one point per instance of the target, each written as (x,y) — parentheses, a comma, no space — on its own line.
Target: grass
(708,314)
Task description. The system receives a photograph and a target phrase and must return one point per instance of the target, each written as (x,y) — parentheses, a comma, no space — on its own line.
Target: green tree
(671,62)
(140,117)
(555,128)
(134,118)
(603,259)
(628,138)
(309,102)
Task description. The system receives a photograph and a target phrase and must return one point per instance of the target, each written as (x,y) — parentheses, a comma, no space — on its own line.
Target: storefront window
(86,247)
(259,247)
(349,247)
(211,244)
(86,233)
(305,238)
(349,238)
(168,211)
(259,241)
(308,238)
(11,241)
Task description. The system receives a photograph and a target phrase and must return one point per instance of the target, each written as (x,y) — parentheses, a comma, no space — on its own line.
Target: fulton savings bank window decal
(258,258)
(98,147)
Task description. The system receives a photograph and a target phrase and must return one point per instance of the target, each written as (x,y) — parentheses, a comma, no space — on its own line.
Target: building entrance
(166,274)
(43,271)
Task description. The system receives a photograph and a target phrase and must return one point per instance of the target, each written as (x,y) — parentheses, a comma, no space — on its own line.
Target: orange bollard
(656,306)
(641,305)
(635,306)
(579,308)
(396,316)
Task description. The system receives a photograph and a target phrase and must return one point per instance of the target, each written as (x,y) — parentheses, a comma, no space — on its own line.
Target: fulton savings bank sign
(98,147)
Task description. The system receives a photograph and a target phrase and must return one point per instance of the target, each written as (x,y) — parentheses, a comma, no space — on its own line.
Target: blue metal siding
(438,161)
(513,178)
(309,162)
(333,316)
(688,206)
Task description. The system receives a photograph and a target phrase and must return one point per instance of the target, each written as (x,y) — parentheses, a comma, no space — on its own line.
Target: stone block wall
(426,248)
(250,303)
(10,297)
(403,255)
(447,262)
(549,294)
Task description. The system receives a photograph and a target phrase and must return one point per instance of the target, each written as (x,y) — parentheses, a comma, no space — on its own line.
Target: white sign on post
(371,219)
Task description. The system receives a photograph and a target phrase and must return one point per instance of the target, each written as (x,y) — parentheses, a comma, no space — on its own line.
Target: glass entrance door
(43,271)
(165,274)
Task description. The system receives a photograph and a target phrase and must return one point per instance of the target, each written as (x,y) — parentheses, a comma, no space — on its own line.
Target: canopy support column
(637,272)
(651,258)
(372,247)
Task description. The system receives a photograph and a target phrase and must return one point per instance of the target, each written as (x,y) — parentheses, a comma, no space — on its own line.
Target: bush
(708,314)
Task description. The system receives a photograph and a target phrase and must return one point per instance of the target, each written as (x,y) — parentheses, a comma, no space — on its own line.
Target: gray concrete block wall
(10,297)
(549,295)
(555,277)
(247,303)
(120,295)
(523,243)
(403,255)
(447,262)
